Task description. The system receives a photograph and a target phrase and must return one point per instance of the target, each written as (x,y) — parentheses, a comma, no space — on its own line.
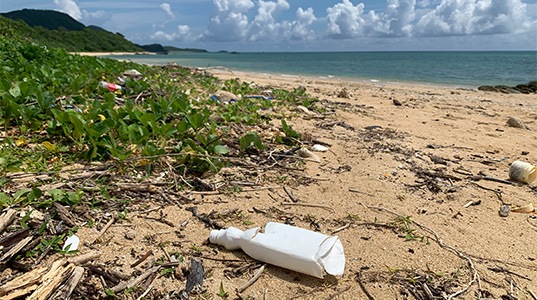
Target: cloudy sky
(314,25)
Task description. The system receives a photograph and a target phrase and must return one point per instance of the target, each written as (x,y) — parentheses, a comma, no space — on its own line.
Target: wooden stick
(145,292)
(8,255)
(104,229)
(144,257)
(252,280)
(309,205)
(7,218)
(133,282)
(362,286)
(532,294)
(360,192)
(340,228)
(64,214)
(78,260)
(290,194)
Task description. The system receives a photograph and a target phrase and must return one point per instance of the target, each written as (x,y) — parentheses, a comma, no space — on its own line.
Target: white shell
(72,242)
(305,153)
(319,148)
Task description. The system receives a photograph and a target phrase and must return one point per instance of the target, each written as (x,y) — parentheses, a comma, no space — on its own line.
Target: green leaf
(250,140)
(197,120)
(221,149)
(15,91)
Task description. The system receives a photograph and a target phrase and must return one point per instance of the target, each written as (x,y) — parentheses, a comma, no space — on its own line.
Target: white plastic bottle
(286,246)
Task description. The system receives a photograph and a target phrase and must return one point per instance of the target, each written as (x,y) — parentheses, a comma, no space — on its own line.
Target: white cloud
(301,28)
(345,20)
(428,18)
(168,10)
(182,34)
(162,36)
(400,14)
(470,17)
(264,25)
(230,22)
(95,15)
(69,7)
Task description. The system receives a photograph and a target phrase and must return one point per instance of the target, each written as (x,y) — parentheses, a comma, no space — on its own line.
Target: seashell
(528,208)
(319,148)
(305,153)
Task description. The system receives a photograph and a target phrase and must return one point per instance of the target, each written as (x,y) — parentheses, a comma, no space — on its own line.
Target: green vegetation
(175,49)
(87,39)
(49,19)
(156,48)
(53,113)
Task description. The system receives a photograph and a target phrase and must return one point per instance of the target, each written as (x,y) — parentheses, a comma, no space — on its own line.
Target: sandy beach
(405,185)
(419,151)
(412,183)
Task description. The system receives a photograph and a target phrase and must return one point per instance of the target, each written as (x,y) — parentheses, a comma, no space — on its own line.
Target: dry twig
(440,242)
(309,205)
(252,280)
(362,286)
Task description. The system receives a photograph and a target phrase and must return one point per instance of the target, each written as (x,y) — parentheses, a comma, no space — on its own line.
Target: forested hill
(49,19)
(58,30)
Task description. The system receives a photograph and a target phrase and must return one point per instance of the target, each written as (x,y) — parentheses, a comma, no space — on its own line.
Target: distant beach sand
(110,53)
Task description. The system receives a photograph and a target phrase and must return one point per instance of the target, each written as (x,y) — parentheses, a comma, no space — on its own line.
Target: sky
(314,25)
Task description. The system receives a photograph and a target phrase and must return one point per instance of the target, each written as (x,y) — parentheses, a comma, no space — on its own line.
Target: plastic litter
(71,244)
(112,87)
(132,73)
(526,209)
(286,246)
(522,172)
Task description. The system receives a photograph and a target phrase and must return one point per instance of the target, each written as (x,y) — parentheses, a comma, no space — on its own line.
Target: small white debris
(71,244)
(319,148)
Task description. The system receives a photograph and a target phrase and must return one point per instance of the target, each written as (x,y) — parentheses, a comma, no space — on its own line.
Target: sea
(452,68)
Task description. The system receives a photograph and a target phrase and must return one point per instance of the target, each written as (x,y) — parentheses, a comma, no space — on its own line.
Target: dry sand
(111,53)
(397,151)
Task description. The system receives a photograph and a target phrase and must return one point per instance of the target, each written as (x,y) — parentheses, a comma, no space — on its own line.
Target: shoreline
(464,73)
(111,53)
(227,73)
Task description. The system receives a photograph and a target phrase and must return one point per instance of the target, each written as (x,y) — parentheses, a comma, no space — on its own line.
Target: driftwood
(41,282)
(52,279)
(133,282)
(64,214)
(7,218)
(65,291)
(22,285)
(13,251)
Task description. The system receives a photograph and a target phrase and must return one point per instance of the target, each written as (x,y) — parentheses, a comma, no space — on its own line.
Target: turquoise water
(451,68)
